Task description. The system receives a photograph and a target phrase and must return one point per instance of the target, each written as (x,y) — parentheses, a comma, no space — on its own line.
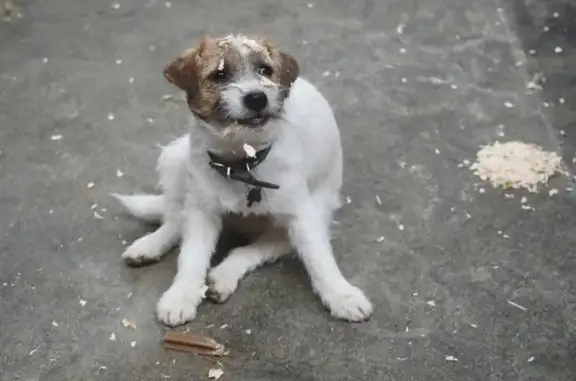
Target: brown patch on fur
(191,73)
(286,68)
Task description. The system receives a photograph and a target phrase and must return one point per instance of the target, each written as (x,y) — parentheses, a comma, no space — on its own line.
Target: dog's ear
(183,72)
(290,70)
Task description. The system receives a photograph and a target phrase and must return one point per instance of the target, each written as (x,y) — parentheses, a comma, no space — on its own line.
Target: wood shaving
(517,306)
(249,150)
(516,165)
(128,323)
(215,373)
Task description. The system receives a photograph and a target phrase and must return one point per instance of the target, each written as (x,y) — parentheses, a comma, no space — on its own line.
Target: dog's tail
(148,207)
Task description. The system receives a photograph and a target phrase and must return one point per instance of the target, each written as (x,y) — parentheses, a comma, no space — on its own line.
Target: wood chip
(193,343)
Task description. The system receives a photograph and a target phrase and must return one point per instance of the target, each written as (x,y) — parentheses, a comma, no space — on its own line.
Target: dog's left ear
(182,72)
(289,70)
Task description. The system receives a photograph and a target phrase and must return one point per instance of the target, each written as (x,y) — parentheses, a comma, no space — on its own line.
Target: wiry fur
(305,160)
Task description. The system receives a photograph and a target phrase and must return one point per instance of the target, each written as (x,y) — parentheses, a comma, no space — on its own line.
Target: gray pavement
(467,285)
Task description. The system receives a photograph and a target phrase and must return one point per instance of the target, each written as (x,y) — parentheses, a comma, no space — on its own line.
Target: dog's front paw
(221,284)
(347,302)
(178,305)
(144,250)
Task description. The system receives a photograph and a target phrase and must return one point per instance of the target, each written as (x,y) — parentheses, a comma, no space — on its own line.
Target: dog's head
(234,79)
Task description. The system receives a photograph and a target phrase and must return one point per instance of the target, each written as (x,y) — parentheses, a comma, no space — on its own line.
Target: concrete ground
(467,285)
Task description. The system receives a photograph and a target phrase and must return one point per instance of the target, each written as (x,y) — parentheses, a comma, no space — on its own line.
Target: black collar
(241,170)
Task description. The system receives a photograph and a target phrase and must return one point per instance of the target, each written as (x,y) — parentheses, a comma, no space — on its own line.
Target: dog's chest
(232,196)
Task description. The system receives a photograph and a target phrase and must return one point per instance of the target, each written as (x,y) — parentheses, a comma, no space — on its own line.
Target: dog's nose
(255,101)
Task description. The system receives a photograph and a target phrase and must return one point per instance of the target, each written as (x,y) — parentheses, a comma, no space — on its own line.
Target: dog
(263,146)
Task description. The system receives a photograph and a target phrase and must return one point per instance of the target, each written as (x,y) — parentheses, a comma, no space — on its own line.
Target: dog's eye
(265,70)
(220,75)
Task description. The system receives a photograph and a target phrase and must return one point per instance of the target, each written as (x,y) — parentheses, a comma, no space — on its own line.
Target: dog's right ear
(183,72)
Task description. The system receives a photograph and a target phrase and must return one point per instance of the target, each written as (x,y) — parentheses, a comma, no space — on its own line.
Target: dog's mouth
(255,121)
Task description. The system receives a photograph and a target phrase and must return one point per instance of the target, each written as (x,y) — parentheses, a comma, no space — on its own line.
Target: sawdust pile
(516,165)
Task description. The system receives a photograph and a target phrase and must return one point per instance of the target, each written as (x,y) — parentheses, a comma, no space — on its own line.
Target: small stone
(118,62)
(90,185)
(111,116)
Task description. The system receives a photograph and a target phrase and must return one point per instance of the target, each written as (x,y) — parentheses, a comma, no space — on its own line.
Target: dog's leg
(199,235)
(309,233)
(223,279)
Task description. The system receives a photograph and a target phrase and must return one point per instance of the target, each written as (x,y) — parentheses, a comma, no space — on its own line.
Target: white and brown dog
(263,145)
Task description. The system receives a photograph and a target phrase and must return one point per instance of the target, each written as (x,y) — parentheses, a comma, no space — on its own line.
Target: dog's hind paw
(143,251)
(221,284)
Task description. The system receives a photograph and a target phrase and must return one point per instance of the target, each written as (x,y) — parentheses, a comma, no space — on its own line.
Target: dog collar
(241,170)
